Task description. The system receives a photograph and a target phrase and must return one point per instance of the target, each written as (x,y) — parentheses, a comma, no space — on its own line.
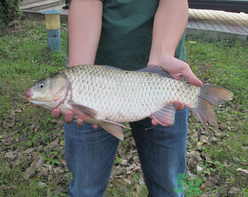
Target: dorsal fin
(150,69)
(157,70)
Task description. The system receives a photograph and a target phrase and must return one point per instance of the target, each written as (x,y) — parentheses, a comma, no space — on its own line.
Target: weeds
(32,143)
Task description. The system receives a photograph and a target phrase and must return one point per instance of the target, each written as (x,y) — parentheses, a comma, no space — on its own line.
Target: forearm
(169,25)
(84,29)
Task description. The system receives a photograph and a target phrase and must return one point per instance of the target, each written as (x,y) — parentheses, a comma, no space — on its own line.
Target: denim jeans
(90,155)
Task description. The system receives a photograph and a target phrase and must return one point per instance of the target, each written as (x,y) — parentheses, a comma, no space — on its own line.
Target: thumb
(192,79)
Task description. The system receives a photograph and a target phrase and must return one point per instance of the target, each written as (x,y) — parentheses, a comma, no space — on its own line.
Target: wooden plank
(228,22)
(188,25)
(221,22)
(194,24)
(235,23)
(204,20)
(216,23)
(198,20)
(244,16)
(207,16)
(242,23)
(244,20)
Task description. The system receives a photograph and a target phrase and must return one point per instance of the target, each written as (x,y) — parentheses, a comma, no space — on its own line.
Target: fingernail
(177,105)
(79,122)
(69,116)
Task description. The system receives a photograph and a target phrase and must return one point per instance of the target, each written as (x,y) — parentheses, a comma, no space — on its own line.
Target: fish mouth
(29,93)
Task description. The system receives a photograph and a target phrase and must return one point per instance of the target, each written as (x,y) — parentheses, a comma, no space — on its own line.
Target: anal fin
(115,130)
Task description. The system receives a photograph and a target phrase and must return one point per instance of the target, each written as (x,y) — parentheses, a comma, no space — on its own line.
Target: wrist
(160,58)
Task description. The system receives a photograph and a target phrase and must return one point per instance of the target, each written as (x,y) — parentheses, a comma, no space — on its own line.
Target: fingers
(179,106)
(36,106)
(154,123)
(79,122)
(56,113)
(95,126)
(68,117)
(192,79)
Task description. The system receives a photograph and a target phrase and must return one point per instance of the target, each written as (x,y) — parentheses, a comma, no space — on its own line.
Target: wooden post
(52,19)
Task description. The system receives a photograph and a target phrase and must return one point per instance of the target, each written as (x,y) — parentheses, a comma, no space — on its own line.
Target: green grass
(28,135)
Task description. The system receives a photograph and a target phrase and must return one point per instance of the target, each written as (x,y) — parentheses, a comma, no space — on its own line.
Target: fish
(111,97)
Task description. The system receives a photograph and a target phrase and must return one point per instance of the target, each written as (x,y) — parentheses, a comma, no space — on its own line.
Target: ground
(32,143)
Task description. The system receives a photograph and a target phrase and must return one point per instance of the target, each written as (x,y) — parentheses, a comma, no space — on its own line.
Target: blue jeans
(90,155)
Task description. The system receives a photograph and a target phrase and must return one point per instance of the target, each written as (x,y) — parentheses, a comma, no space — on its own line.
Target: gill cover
(50,92)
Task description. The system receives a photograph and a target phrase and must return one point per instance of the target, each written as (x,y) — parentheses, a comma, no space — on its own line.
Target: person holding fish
(129,35)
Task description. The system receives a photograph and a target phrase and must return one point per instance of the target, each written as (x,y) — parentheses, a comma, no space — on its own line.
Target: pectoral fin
(165,116)
(82,111)
(89,115)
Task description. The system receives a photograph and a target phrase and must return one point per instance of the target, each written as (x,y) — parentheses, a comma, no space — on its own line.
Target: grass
(30,139)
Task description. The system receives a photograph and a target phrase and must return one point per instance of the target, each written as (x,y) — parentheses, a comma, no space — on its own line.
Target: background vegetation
(9,11)
(32,143)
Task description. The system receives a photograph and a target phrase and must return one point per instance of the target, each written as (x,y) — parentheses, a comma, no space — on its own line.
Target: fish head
(49,92)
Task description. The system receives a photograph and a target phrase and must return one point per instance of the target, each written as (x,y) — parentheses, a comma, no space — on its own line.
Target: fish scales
(125,96)
(109,97)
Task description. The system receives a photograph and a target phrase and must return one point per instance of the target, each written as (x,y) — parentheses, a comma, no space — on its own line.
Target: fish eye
(41,85)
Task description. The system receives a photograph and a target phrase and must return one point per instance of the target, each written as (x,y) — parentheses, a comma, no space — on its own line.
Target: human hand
(68,117)
(178,69)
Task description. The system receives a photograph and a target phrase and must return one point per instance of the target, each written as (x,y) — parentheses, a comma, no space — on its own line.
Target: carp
(110,97)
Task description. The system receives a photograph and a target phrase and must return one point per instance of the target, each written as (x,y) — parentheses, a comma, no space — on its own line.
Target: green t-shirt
(127,34)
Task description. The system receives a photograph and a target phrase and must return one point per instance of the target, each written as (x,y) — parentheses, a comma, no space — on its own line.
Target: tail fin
(210,95)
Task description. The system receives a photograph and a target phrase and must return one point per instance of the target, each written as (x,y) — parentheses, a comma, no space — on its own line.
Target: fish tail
(210,95)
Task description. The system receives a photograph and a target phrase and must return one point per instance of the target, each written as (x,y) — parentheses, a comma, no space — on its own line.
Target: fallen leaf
(141,180)
(37,163)
(131,167)
(225,186)
(243,163)
(52,144)
(137,190)
(124,162)
(63,162)
(41,184)
(116,171)
(28,151)
(12,155)
(128,182)
(199,168)
(48,166)
(234,190)
(236,159)
(43,171)
(242,170)
(136,159)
